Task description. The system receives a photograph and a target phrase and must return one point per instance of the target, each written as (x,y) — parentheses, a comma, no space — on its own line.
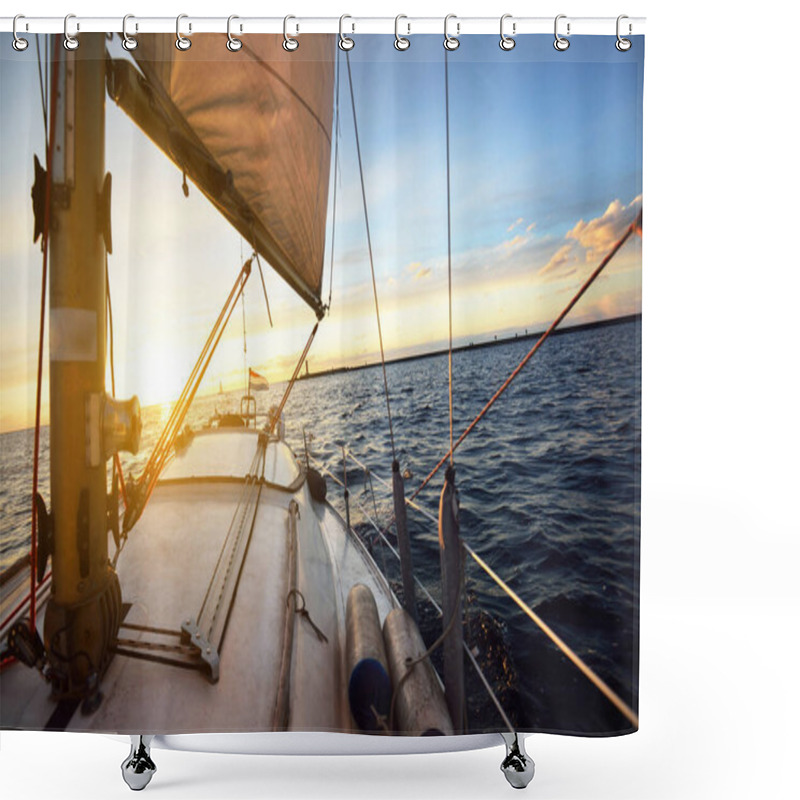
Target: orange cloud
(515,242)
(599,234)
(422,273)
(560,258)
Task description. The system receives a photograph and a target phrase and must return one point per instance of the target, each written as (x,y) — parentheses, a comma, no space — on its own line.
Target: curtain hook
(233,44)
(290,43)
(128,42)
(70,42)
(19,44)
(451,42)
(400,42)
(182,43)
(560,43)
(623,44)
(345,42)
(507,42)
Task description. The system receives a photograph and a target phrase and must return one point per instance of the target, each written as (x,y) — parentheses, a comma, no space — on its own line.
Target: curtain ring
(70,42)
(128,42)
(345,42)
(623,44)
(450,42)
(400,42)
(18,43)
(507,42)
(560,43)
(182,43)
(233,44)
(290,43)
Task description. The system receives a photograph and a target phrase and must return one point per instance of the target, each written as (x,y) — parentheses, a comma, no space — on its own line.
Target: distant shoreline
(474,346)
(442,351)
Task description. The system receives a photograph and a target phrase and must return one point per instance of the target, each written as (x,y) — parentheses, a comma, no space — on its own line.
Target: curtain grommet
(560,43)
(507,42)
(70,42)
(290,43)
(622,44)
(128,42)
(182,42)
(345,42)
(18,43)
(401,42)
(451,42)
(233,44)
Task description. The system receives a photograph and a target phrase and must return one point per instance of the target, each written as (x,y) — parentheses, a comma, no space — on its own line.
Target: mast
(86,427)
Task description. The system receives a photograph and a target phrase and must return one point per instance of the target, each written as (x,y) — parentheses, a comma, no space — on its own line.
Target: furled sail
(252,129)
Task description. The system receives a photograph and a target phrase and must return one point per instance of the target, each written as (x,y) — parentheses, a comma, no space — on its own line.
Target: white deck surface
(165,569)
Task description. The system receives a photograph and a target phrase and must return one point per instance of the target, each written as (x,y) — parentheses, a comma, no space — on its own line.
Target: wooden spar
(83,613)
(403,541)
(451,564)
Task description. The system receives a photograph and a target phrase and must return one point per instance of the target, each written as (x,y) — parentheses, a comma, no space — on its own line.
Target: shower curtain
(320,384)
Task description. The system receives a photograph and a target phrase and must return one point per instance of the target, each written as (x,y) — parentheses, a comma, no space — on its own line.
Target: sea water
(549,486)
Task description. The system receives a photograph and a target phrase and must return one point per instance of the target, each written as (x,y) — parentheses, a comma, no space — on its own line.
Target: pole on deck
(83,613)
(403,541)
(452,610)
(346,491)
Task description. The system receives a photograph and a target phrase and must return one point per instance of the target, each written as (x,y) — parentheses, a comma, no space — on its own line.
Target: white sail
(216,114)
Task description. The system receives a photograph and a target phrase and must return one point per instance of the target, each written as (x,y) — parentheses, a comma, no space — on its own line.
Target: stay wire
(371,260)
(264,287)
(42,89)
(40,354)
(335,182)
(635,226)
(449,251)
(118,475)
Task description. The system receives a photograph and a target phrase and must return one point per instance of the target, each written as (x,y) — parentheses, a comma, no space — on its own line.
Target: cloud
(590,241)
(515,242)
(513,225)
(417,271)
(561,258)
(598,235)
(530,227)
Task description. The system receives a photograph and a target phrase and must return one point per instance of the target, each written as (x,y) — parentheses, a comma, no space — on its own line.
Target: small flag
(258,382)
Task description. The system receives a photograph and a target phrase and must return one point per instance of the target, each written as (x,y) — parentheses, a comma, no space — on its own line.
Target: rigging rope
(163,448)
(417,581)
(546,629)
(335,181)
(264,287)
(449,253)
(371,260)
(635,226)
(118,476)
(609,693)
(277,415)
(40,354)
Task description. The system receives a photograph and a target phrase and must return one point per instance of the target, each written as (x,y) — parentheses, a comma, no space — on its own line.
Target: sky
(545,175)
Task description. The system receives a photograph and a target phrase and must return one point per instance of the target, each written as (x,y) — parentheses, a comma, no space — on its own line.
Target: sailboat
(264,611)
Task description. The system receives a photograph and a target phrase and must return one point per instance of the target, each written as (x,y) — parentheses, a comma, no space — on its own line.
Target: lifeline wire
(371,261)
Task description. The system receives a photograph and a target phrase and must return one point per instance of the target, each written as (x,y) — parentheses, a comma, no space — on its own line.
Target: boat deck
(275,671)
